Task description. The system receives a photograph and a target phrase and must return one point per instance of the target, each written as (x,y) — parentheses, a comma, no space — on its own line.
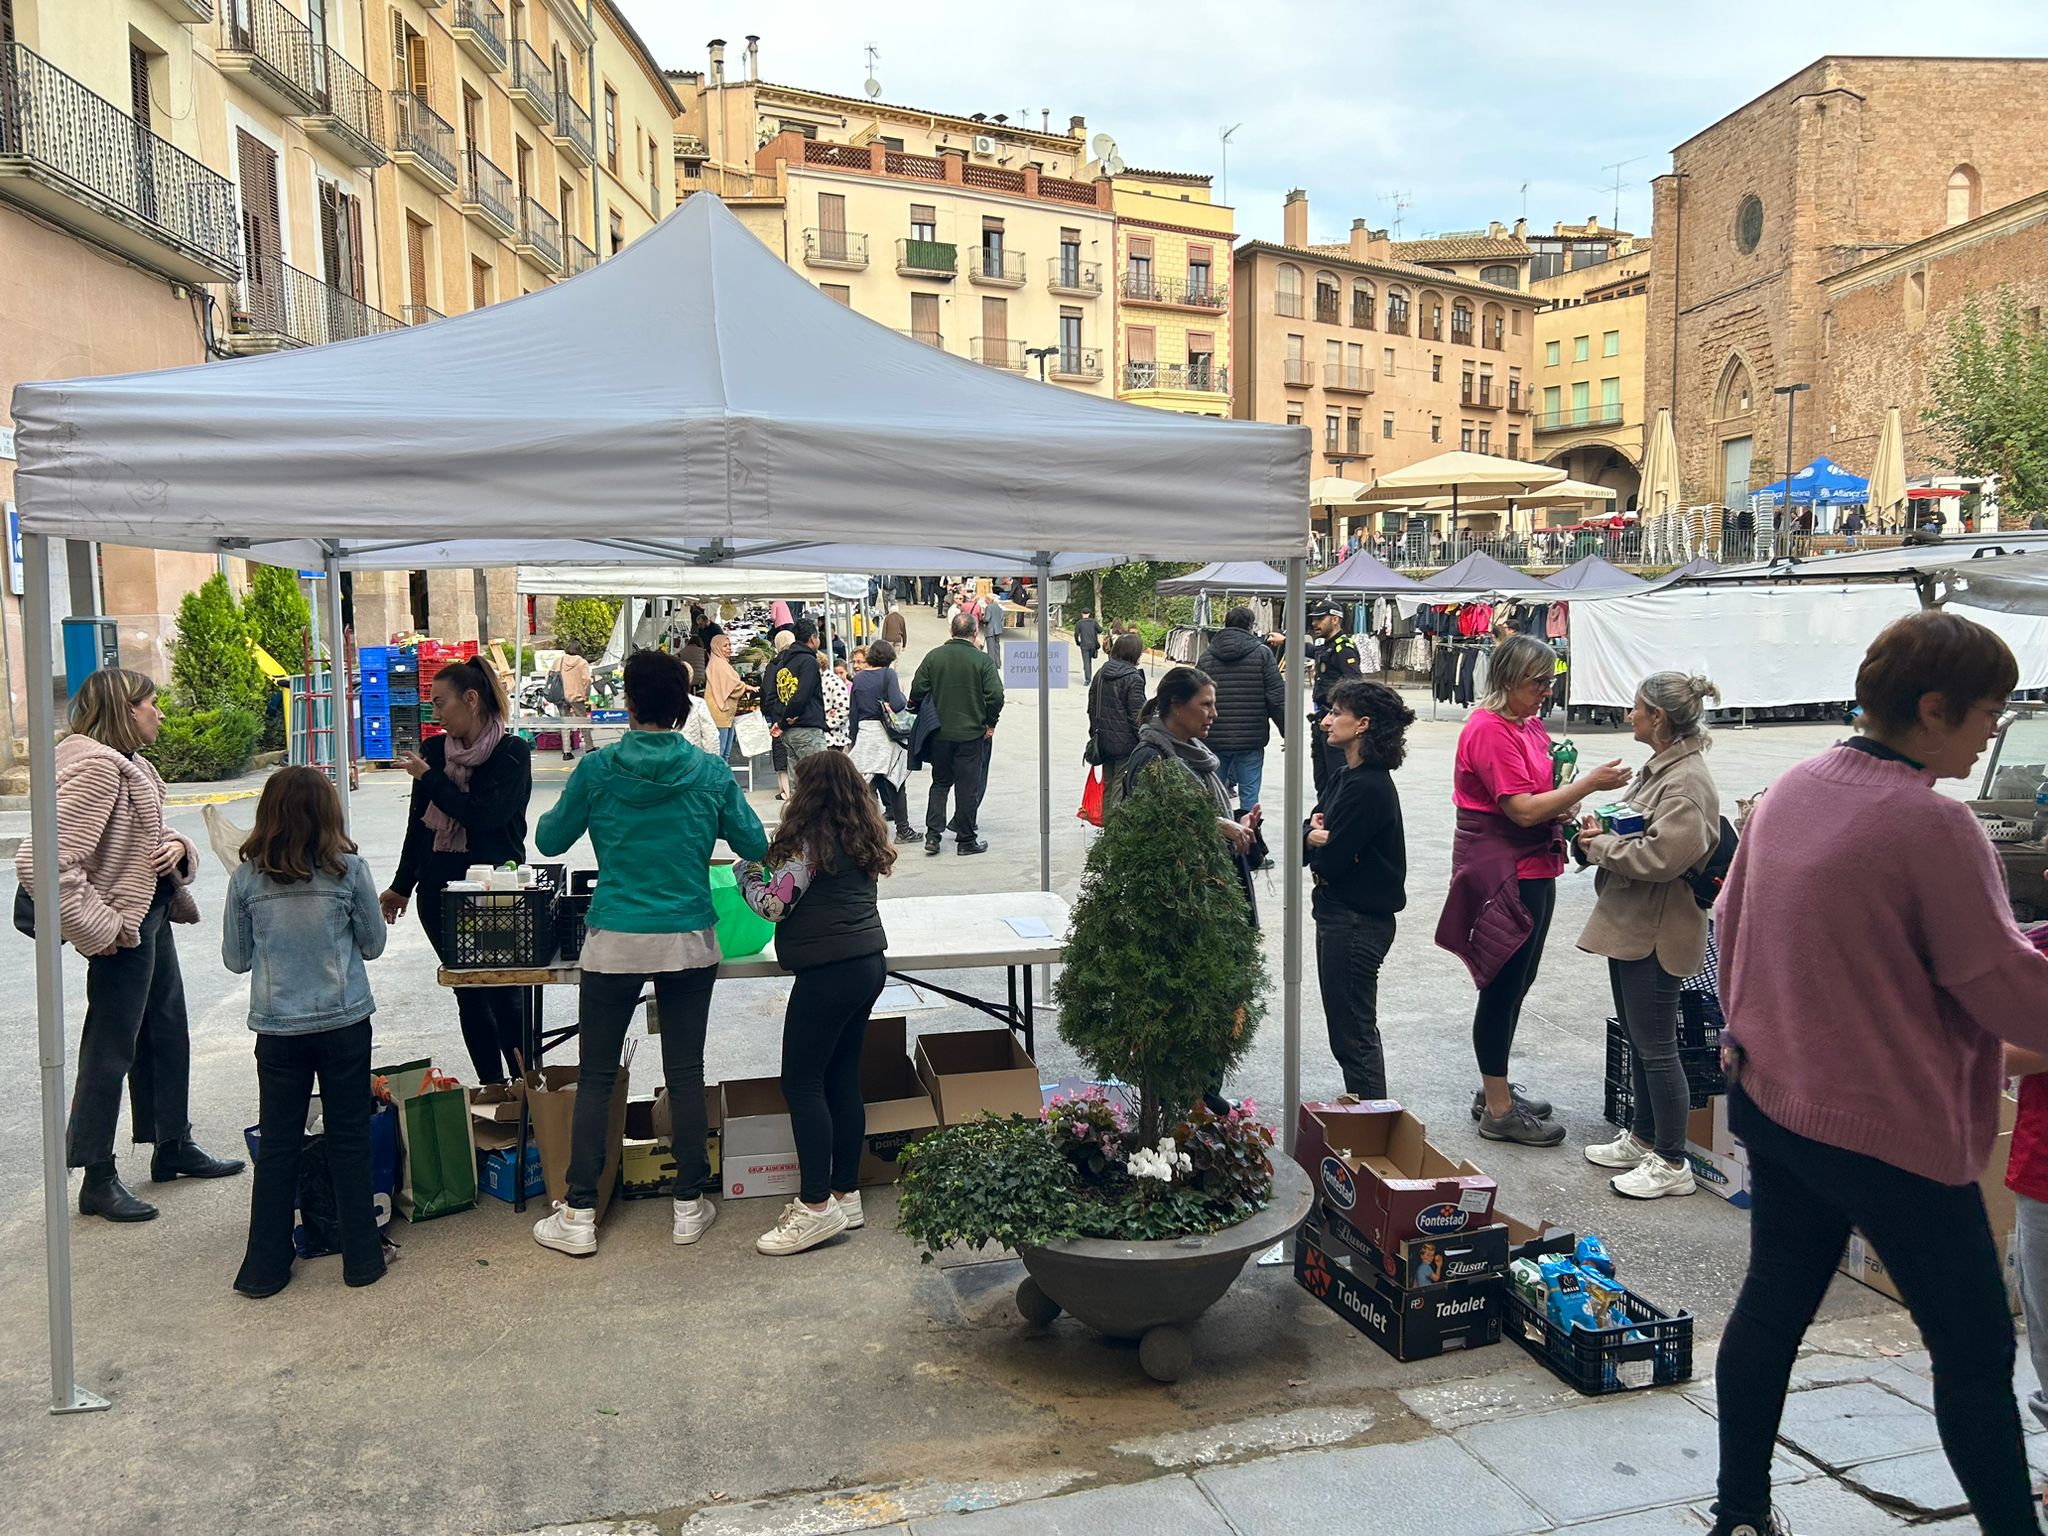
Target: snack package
(1592,1255)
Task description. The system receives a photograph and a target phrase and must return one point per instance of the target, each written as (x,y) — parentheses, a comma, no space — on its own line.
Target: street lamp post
(1791,392)
(1042,353)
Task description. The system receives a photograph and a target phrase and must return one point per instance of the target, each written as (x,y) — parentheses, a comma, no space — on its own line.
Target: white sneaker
(569,1230)
(1625,1153)
(693,1217)
(849,1206)
(800,1227)
(1654,1178)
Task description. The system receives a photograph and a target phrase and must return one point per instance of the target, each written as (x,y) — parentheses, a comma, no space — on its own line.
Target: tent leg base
(82,1401)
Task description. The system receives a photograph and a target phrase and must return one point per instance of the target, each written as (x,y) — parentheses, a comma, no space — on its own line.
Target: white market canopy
(692,581)
(691,397)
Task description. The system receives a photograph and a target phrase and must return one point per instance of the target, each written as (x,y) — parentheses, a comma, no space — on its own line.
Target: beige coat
(1644,905)
(110,823)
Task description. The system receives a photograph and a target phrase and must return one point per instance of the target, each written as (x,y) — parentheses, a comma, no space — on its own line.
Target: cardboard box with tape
(1373,1166)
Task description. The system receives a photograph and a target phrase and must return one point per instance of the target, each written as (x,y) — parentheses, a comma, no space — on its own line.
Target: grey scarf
(1195,756)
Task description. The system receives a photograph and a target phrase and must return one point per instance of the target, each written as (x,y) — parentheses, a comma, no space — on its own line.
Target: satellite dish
(873,87)
(1103,146)
(1114,165)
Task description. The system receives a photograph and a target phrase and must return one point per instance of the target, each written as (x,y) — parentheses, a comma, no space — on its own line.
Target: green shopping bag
(440,1156)
(741,930)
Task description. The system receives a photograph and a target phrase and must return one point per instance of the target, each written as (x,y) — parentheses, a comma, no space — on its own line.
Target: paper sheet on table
(1029,927)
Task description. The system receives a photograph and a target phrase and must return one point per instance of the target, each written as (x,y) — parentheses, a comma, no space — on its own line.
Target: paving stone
(1603,1458)
(1830,1370)
(1413,1487)
(1162,1506)
(1477,1400)
(1858,1421)
(868,1508)
(1923,1481)
(1296,1429)
(1671,1520)
(1824,1507)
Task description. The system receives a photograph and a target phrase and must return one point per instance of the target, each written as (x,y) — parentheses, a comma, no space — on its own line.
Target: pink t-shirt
(1498,758)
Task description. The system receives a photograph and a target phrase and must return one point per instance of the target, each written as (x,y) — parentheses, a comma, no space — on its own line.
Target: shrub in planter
(206,744)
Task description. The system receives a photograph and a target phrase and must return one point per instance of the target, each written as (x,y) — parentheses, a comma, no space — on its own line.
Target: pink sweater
(1870,966)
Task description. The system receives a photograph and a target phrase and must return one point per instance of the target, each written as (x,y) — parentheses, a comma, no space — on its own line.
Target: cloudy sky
(1469,111)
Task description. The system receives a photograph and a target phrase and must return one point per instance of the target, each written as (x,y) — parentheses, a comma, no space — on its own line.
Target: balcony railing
(1300,373)
(993,268)
(1194,378)
(422,141)
(480,27)
(487,193)
(1461,335)
(88,165)
(278,306)
(929,338)
(1397,322)
(1076,363)
(581,257)
(1361,312)
(540,233)
(926,258)
(350,117)
(835,248)
(1492,339)
(1349,376)
(1583,416)
(998,352)
(1516,404)
(419,314)
(1329,311)
(273,50)
(1287,305)
(1142,287)
(1480,399)
(533,83)
(1070,274)
(572,130)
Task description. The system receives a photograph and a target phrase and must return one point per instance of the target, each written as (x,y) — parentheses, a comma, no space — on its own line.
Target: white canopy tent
(704,405)
(669,581)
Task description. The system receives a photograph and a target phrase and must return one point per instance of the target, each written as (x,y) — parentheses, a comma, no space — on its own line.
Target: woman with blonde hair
(123,878)
(1651,929)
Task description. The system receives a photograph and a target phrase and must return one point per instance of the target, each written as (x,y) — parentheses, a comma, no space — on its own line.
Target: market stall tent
(1252,578)
(1591,574)
(705,404)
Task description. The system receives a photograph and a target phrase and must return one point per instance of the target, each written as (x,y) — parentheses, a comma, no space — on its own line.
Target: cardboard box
(647,1163)
(1860,1261)
(1528,1239)
(899,1110)
(1412,1324)
(971,1071)
(1419,1261)
(759,1147)
(1720,1161)
(494,1173)
(664,1129)
(494,1115)
(1376,1169)
(551,1101)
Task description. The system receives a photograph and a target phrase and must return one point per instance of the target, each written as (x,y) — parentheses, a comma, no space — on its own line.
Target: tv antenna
(1525,200)
(1402,202)
(1618,183)
(1223,138)
(874,85)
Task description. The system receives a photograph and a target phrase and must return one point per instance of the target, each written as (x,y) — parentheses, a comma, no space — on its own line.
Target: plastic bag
(1091,798)
(741,930)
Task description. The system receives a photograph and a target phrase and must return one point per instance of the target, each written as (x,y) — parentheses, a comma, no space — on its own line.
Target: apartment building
(1173,269)
(1388,361)
(981,237)
(1588,374)
(184,180)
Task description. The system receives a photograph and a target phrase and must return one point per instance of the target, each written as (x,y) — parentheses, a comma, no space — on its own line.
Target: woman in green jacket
(655,808)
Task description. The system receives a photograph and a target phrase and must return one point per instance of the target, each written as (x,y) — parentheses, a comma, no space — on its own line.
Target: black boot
(173,1158)
(103,1194)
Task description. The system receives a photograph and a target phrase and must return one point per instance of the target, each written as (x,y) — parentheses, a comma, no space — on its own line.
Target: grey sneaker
(1540,1108)
(1520,1124)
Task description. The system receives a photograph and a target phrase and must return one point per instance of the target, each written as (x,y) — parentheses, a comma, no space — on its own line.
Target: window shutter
(924,316)
(924,213)
(416,263)
(355,248)
(1141,340)
(331,228)
(258,179)
(995,325)
(138,82)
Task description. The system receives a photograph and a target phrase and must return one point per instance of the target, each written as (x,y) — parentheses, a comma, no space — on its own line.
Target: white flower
(1161,1163)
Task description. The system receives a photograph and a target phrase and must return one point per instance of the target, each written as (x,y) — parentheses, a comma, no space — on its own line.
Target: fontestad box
(1374,1167)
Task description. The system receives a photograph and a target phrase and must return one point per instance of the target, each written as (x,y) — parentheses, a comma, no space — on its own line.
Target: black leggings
(1646,1002)
(1936,1244)
(1500,1000)
(822,1032)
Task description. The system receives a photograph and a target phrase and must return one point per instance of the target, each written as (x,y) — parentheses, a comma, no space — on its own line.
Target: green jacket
(655,807)
(964,685)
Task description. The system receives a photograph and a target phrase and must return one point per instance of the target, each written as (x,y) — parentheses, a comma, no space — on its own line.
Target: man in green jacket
(966,689)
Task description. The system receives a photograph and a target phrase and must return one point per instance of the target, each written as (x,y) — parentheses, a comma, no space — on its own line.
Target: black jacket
(492,811)
(1088,636)
(836,919)
(1249,691)
(1114,701)
(791,695)
(1363,868)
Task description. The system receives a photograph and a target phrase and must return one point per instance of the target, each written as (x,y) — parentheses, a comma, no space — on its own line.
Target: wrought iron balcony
(479,27)
(279,307)
(835,248)
(1329,311)
(350,120)
(1287,305)
(1083,363)
(1190,378)
(1068,274)
(1397,321)
(1461,335)
(532,87)
(572,132)
(999,352)
(422,142)
(1299,372)
(927,258)
(419,314)
(1361,312)
(82,162)
(540,235)
(929,338)
(1142,287)
(581,257)
(272,51)
(1581,416)
(995,269)
(1353,377)
(487,195)
(1481,399)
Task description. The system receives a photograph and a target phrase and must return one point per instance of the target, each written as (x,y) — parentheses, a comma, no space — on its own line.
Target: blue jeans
(1242,774)
(725,740)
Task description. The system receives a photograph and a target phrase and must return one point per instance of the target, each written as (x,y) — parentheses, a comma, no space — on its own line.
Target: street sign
(1020,664)
(14,571)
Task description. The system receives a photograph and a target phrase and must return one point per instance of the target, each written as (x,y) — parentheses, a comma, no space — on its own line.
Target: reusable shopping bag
(1091,798)
(440,1155)
(741,930)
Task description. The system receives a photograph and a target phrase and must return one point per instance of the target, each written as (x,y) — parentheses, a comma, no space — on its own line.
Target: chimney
(1294,218)
(717,61)
(1497,230)
(1045,119)
(1361,240)
(1077,127)
(753,57)
(1521,229)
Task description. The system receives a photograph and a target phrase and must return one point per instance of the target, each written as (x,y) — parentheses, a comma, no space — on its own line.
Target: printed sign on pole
(1020,664)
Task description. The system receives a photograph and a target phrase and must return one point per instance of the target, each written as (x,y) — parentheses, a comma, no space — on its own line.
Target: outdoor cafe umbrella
(1888,475)
(1660,469)
(1328,492)
(1823,483)
(1566,493)
(1459,474)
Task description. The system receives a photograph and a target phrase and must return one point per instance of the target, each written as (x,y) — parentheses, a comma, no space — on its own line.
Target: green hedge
(200,746)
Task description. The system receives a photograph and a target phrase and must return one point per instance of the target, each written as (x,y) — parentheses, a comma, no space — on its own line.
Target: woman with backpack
(1650,927)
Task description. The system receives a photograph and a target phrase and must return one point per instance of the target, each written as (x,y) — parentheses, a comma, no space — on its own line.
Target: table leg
(1030,1022)
(1015,1017)
(529,1052)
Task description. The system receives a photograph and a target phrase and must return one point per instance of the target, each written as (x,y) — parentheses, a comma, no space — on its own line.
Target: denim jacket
(303,945)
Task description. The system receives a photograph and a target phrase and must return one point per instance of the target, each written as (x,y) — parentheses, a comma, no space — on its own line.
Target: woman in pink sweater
(1865,1054)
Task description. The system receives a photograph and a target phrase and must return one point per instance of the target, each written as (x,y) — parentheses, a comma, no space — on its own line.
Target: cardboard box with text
(757,1144)
(1373,1166)
(1409,1324)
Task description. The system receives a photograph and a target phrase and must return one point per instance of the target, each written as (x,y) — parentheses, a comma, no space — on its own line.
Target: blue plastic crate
(405,698)
(374,660)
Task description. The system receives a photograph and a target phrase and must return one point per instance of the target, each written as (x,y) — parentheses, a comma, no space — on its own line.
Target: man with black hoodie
(1251,699)
(794,700)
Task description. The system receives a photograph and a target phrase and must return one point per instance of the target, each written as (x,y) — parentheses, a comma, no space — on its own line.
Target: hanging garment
(1468,667)
(1557,625)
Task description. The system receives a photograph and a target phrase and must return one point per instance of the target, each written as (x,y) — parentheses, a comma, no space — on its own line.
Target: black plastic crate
(501,928)
(1654,1351)
(1699,1020)
(1704,1078)
(572,916)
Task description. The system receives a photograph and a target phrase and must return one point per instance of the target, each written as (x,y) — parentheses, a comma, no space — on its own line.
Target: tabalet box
(1374,1167)
(1411,1324)
(1419,1261)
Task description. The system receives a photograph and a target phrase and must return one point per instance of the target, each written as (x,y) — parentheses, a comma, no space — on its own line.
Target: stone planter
(1151,1291)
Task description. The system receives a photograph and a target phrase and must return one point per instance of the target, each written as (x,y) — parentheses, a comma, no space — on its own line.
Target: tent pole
(1044,563)
(66,1395)
(339,714)
(1290,846)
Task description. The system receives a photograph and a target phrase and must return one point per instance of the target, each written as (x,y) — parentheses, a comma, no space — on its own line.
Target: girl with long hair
(302,917)
(818,885)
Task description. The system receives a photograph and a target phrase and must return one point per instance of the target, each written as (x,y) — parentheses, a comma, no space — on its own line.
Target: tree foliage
(277,615)
(1990,391)
(586,620)
(212,666)
(202,746)
(1129,591)
(1164,981)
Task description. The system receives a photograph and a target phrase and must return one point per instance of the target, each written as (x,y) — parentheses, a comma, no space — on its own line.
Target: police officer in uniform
(1332,660)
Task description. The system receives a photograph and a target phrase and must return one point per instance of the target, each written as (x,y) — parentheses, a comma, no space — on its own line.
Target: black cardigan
(1363,868)
(492,810)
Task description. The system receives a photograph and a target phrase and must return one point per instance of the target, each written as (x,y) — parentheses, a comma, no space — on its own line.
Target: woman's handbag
(1091,798)
(24,911)
(898,724)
